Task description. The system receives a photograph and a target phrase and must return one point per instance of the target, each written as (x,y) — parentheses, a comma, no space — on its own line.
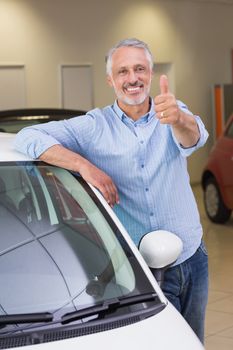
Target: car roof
(7,151)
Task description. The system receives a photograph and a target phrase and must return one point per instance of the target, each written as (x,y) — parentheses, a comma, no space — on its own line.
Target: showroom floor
(219,243)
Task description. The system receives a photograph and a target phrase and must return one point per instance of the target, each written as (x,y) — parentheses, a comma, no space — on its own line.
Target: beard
(133,100)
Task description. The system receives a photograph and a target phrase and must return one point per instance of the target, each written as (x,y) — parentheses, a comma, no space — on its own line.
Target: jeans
(186,287)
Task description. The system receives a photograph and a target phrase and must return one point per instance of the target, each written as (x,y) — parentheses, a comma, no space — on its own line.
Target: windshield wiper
(108,306)
(25,318)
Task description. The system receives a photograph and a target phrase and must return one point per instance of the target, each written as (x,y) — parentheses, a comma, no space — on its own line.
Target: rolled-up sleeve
(73,134)
(33,142)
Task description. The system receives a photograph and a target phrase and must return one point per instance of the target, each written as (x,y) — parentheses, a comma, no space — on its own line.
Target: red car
(217,178)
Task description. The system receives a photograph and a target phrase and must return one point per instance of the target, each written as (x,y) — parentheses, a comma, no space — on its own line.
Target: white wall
(196,36)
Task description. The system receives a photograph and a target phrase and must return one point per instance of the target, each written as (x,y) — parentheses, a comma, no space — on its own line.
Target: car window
(229,131)
(12,121)
(56,241)
(17,125)
(14,126)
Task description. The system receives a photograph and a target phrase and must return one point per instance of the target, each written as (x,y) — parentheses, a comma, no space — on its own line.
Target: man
(135,153)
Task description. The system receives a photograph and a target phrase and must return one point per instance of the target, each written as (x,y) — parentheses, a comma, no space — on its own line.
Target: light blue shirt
(143,158)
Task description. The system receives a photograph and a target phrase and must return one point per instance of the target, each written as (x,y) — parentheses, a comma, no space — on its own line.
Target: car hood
(154,332)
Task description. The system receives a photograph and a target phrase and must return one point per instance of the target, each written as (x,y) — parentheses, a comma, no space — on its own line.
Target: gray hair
(128,43)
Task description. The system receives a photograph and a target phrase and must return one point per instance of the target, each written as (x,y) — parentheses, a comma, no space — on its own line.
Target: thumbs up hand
(184,126)
(166,108)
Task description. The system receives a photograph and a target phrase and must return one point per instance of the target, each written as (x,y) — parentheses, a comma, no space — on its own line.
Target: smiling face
(130,76)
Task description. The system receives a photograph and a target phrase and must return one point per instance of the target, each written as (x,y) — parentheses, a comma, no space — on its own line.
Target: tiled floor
(219,318)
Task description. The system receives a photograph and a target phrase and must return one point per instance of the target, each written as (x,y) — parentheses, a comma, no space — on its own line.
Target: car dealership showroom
(71,276)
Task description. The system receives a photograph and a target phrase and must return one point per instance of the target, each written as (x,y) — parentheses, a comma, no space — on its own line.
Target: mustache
(136,84)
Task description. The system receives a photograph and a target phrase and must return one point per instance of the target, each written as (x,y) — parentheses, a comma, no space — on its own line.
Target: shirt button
(151,214)
(142,166)
(141,142)
(147,189)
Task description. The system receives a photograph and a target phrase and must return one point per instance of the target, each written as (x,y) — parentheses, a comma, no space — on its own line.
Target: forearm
(186,130)
(63,157)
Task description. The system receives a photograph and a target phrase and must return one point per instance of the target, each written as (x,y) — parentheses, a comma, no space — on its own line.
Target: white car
(70,276)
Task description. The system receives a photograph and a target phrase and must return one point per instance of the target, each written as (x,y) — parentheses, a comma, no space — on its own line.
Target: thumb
(163,83)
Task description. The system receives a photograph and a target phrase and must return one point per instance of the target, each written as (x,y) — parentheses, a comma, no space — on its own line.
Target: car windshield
(59,249)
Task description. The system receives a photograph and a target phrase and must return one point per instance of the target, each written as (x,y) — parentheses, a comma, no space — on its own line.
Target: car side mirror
(160,249)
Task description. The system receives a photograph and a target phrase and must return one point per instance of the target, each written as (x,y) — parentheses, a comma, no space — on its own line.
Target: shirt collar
(142,120)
